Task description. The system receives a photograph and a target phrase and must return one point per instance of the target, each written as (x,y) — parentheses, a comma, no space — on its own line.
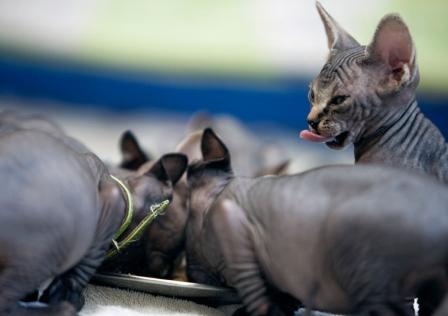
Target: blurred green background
(253,38)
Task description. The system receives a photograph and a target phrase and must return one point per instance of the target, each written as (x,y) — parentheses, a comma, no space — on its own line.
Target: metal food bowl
(200,293)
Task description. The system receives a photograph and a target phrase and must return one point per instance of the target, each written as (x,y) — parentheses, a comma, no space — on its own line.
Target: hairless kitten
(365,95)
(60,208)
(160,251)
(361,245)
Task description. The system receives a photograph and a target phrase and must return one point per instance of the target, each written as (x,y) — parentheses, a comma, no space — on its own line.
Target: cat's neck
(407,139)
(204,192)
(121,200)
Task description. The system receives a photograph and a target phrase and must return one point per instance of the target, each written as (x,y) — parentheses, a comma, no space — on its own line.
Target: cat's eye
(311,96)
(339,99)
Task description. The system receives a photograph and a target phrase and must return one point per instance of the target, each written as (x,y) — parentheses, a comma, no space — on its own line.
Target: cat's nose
(313,123)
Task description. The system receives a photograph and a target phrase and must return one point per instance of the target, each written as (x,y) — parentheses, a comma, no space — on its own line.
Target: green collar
(129,210)
(134,235)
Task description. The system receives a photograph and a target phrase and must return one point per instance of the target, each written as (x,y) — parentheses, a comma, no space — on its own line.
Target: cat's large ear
(132,154)
(338,38)
(393,47)
(170,167)
(214,150)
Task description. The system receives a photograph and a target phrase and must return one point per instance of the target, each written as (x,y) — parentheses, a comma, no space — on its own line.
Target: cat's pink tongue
(313,137)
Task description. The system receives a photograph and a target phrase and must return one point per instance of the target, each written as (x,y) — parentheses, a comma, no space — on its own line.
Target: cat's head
(360,87)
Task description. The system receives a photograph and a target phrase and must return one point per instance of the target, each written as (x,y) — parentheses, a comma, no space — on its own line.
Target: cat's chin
(340,142)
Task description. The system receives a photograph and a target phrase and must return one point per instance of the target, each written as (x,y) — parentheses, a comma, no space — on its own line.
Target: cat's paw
(63,291)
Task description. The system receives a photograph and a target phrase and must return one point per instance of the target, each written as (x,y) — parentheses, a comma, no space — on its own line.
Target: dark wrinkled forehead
(152,184)
(337,60)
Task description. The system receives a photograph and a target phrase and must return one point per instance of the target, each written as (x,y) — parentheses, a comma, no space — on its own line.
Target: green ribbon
(154,211)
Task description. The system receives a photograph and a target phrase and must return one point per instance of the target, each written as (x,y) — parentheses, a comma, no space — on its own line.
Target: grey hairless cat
(361,245)
(60,208)
(365,95)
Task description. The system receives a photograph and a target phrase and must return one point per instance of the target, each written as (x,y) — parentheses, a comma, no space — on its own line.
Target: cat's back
(13,120)
(290,216)
(45,180)
(342,177)
(49,198)
(392,181)
(324,187)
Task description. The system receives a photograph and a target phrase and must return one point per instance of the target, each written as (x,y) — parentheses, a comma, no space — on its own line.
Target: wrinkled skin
(166,238)
(365,95)
(58,225)
(315,239)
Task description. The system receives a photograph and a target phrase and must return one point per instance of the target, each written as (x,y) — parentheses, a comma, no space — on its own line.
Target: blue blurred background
(249,59)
